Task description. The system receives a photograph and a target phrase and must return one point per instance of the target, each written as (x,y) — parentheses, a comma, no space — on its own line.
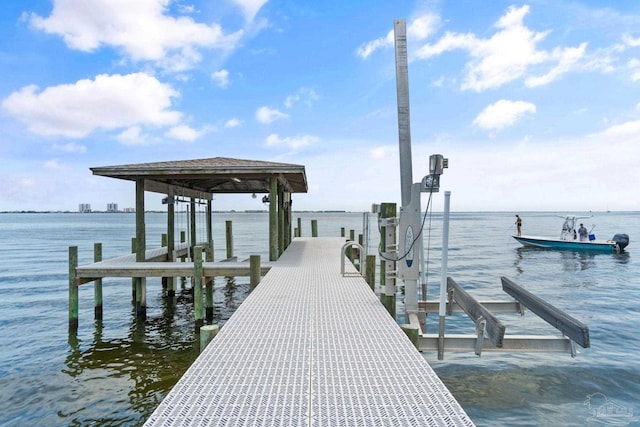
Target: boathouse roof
(213,175)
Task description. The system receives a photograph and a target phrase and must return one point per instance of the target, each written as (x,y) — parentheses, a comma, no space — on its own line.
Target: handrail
(343,256)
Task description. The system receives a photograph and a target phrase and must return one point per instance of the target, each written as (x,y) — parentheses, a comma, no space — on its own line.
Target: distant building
(112,207)
(129,209)
(84,207)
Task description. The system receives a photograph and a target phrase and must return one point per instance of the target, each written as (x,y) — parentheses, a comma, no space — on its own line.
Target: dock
(310,346)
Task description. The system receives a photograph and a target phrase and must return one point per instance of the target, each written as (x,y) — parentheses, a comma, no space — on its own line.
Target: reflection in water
(121,376)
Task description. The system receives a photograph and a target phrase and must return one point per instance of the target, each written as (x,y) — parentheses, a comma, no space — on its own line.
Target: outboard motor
(622,240)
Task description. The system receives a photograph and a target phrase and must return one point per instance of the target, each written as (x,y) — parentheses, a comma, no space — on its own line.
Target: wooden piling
(171,238)
(183,238)
(299,227)
(413,333)
(254,271)
(209,286)
(314,228)
(197,286)
(370,272)
(207,334)
(73,289)
(387,286)
(134,287)
(342,232)
(97,284)
(229,238)
(273,219)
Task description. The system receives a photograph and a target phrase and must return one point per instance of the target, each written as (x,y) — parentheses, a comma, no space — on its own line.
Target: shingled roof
(213,175)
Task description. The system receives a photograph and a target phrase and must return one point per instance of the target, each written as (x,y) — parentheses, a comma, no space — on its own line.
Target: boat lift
(489,332)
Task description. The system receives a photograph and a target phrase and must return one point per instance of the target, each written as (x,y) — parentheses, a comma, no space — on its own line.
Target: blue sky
(535,104)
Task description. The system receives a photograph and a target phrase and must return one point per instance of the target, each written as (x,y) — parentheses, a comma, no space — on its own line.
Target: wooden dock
(310,346)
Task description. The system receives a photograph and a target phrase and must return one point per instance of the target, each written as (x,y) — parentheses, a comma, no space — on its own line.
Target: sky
(535,104)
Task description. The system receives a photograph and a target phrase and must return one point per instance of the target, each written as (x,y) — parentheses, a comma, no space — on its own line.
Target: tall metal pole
(443,277)
(402,91)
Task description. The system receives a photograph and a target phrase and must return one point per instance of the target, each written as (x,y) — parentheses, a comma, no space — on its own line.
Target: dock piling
(207,334)
(197,286)
(314,228)
(73,289)
(97,284)
(254,266)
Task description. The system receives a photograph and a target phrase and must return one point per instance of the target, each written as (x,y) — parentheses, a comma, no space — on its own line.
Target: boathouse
(194,182)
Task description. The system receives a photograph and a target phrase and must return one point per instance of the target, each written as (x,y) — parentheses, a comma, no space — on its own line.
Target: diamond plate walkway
(309,347)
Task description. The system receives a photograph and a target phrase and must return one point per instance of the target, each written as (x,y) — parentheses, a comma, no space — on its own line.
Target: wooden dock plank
(310,347)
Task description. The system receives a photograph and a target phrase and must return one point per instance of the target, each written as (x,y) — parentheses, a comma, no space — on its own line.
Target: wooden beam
(569,326)
(476,311)
(85,274)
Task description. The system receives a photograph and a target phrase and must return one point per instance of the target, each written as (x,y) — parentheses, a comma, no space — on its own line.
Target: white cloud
(221,78)
(293,143)
(566,57)
(418,29)
(232,123)
(629,131)
(305,95)
(183,133)
(631,41)
(108,102)
(71,147)
(634,67)
(507,55)
(365,50)
(132,136)
(141,29)
(268,115)
(250,8)
(502,114)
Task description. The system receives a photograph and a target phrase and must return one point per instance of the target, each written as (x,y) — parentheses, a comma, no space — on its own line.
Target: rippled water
(115,372)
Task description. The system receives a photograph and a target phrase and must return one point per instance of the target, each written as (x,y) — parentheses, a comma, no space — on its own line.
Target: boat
(569,239)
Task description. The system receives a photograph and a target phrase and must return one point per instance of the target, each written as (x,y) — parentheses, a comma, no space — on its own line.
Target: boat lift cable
(418,235)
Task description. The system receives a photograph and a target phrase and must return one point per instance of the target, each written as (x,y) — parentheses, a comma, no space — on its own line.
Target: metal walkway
(310,347)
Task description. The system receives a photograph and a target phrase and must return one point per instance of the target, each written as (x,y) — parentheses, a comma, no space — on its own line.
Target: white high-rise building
(112,207)
(84,207)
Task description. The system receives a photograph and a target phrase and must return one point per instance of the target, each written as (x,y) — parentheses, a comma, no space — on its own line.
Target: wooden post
(209,287)
(281,222)
(210,228)
(197,286)
(141,248)
(134,282)
(299,227)
(207,334)
(273,219)
(314,228)
(171,239)
(97,284)
(342,232)
(370,273)
(73,290)
(164,281)
(388,287)
(229,238)
(254,271)
(183,238)
(192,213)
(413,332)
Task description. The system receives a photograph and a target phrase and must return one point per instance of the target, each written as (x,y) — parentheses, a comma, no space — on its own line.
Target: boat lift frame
(453,298)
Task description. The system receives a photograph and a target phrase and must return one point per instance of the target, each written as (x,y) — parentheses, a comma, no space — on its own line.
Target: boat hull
(574,245)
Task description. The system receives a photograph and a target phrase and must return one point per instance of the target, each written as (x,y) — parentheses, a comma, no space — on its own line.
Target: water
(115,372)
